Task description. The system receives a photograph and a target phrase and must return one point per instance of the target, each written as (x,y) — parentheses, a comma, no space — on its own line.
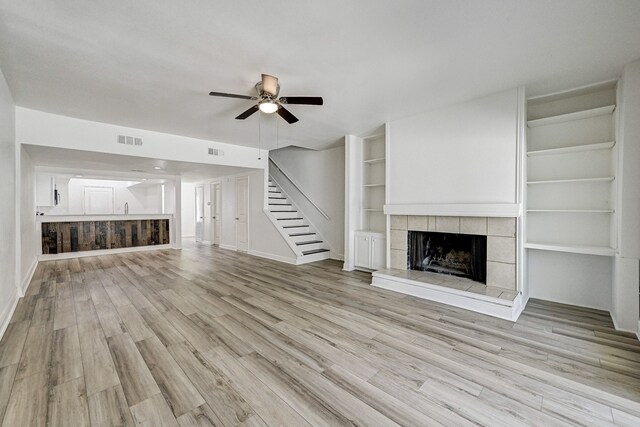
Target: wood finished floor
(205,336)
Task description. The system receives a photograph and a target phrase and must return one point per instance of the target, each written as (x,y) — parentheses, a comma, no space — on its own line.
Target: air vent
(216,152)
(129,140)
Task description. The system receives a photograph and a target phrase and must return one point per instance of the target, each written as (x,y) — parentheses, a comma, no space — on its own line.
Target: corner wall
(8,209)
(626,278)
(28,237)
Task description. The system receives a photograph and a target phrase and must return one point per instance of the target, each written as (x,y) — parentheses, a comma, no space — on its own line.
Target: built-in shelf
(372,161)
(566,181)
(573,149)
(572,210)
(579,115)
(373,185)
(576,249)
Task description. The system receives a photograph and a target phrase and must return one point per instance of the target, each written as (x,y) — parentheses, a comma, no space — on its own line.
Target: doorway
(199,213)
(216,213)
(242,213)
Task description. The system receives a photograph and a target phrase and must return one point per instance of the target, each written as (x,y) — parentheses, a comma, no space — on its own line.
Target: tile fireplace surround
(501,242)
(501,298)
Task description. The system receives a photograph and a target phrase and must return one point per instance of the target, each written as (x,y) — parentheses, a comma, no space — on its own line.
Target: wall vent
(216,152)
(129,140)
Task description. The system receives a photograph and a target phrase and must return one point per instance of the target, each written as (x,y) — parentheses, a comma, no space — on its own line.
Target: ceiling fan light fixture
(268,107)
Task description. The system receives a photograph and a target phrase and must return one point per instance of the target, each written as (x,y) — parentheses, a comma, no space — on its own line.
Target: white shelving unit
(571,172)
(373,183)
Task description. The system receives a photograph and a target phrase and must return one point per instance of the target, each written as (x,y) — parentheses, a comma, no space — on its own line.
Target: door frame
(212,211)
(248,210)
(198,237)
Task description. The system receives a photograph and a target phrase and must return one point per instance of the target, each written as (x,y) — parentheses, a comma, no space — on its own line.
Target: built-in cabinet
(45,190)
(571,172)
(366,195)
(370,250)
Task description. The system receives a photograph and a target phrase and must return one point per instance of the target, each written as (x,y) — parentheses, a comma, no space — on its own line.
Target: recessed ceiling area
(151,64)
(112,166)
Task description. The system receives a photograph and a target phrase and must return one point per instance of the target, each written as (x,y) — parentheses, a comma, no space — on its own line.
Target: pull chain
(259,134)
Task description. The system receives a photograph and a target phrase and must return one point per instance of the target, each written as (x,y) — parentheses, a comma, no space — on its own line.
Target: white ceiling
(151,63)
(111,166)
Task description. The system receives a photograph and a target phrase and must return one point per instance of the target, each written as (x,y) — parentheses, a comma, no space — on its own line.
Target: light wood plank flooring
(205,336)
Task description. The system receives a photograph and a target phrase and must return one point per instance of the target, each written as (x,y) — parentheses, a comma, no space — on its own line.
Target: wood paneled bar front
(67,235)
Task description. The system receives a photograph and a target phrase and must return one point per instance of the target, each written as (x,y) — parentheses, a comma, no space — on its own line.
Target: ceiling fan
(268,102)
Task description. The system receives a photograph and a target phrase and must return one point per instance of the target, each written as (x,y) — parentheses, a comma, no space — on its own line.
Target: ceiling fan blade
(306,100)
(247,113)
(270,84)
(286,114)
(231,95)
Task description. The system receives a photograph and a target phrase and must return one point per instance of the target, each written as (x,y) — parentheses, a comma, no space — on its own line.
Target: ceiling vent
(129,140)
(216,152)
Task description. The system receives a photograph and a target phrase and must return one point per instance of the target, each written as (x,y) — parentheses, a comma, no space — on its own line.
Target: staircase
(301,237)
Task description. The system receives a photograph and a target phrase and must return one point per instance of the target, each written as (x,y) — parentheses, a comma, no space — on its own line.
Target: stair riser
(313,258)
(278,201)
(286,222)
(303,238)
(286,214)
(311,247)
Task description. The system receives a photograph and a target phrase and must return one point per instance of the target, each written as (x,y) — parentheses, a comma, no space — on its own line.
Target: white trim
(500,308)
(98,252)
(27,278)
(348,267)
(273,257)
(227,247)
(5,316)
(638,330)
(505,210)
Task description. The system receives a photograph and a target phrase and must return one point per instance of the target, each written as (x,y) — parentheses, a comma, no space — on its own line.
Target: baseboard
(27,279)
(6,314)
(273,257)
(638,330)
(227,247)
(491,306)
(99,252)
(348,267)
(337,257)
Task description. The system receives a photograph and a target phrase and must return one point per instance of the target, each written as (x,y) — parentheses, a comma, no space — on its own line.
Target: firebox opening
(461,255)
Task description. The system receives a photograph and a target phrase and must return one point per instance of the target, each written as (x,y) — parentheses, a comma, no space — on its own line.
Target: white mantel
(502,210)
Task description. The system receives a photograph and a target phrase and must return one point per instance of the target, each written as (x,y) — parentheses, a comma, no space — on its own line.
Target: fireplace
(461,255)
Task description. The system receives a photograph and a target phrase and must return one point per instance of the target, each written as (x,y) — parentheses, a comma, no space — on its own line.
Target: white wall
(188,210)
(8,209)
(29,239)
(51,130)
(568,278)
(321,176)
(466,153)
(625,306)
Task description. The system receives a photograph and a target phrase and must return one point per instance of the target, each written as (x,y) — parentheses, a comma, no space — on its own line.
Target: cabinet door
(44,190)
(363,251)
(378,253)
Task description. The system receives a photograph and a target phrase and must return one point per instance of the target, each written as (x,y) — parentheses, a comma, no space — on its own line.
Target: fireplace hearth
(460,255)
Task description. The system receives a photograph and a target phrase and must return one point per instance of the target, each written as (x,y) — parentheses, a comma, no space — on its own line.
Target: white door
(378,253)
(199,213)
(362,248)
(216,213)
(242,213)
(98,201)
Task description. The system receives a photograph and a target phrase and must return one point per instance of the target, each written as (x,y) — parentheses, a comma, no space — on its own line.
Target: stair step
(295,226)
(289,219)
(277,198)
(300,234)
(279,204)
(310,242)
(281,211)
(315,251)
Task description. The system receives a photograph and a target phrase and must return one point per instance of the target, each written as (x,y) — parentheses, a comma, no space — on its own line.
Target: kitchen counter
(83,218)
